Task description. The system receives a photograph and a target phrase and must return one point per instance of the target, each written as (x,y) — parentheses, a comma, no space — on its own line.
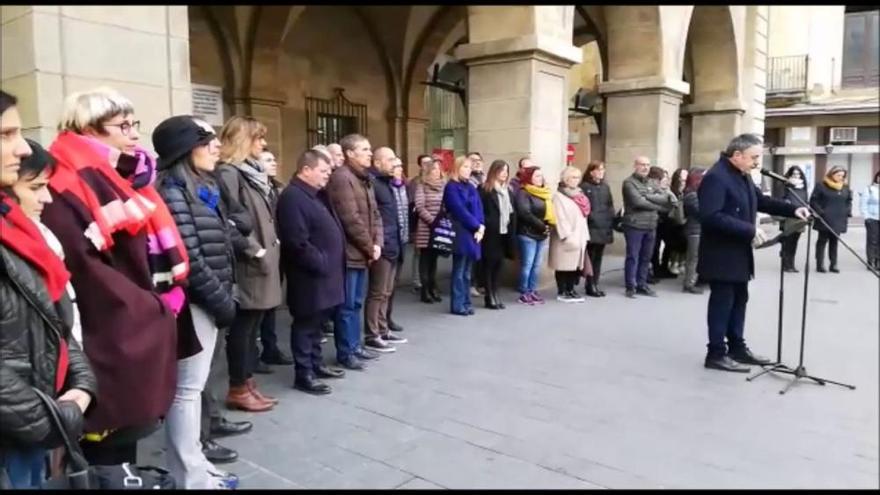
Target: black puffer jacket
(601,219)
(29,359)
(530,213)
(207,236)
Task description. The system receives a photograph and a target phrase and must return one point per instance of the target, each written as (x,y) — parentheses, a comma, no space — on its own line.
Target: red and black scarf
(88,176)
(20,235)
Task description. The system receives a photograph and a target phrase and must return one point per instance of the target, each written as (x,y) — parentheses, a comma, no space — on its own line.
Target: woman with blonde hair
(463,205)
(428,199)
(258,279)
(569,237)
(128,263)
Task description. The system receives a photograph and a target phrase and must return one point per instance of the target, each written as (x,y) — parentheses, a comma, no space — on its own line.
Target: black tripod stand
(800,371)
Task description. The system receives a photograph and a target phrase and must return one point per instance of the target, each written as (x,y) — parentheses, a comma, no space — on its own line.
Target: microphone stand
(800,371)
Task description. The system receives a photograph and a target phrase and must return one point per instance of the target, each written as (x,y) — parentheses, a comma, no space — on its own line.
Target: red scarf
(87,177)
(21,236)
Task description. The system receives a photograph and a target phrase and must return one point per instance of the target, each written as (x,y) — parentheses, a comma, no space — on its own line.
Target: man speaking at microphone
(729,203)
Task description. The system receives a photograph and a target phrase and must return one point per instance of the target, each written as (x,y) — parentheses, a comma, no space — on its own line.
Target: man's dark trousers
(727,316)
(305,342)
(639,246)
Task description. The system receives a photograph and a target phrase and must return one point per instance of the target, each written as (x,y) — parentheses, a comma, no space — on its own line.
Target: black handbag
(442,238)
(78,475)
(617,223)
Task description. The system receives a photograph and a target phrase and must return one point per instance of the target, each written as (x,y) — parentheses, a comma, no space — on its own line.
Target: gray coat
(258,279)
(642,201)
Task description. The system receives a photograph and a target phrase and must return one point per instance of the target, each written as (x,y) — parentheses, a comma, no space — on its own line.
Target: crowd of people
(136,289)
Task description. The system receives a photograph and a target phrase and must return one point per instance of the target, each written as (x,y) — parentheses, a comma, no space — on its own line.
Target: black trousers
(428,268)
(566,280)
(872,242)
(789,249)
(305,342)
(268,337)
(215,388)
(726,316)
(595,253)
(492,272)
(241,345)
(106,453)
(826,239)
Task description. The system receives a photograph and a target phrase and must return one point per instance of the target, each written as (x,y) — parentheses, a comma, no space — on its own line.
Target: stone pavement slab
(610,393)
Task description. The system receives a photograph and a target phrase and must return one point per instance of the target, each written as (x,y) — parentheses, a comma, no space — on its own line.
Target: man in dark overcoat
(313,257)
(729,202)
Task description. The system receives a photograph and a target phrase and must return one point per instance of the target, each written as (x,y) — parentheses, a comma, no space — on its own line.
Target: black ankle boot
(590,288)
(435,295)
(426,296)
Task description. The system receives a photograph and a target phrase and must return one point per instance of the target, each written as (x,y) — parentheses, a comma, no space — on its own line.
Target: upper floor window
(861,48)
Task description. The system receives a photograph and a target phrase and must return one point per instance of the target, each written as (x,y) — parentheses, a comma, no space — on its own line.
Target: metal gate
(447,127)
(327,121)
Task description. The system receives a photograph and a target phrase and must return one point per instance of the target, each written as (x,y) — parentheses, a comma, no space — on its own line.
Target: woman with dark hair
(870,206)
(832,199)
(659,265)
(798,188)
(600,222)
(188,153)
(534,218)
(500,221)
(38,351)
(692,229)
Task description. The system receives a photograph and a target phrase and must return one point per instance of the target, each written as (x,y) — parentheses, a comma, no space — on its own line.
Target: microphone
(774,176)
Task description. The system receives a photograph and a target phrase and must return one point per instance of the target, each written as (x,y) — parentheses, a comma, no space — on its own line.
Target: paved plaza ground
(611,393)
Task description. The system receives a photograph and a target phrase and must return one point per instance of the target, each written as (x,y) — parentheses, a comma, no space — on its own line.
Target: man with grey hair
(336,155)
(729,202)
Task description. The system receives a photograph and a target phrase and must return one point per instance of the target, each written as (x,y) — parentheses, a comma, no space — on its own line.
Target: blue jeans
(530,251)
(348,319)
(460,295)
(639,248)
(26,468)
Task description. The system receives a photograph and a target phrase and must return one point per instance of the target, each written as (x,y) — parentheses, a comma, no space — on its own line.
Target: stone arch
(712,50)
(223,37)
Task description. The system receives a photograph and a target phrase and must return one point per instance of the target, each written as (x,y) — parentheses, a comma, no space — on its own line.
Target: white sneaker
(379,345)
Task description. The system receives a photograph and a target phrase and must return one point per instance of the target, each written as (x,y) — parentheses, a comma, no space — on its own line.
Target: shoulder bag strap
(75,457)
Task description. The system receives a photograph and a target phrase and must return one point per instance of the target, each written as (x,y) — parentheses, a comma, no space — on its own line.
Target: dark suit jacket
(312,249)
(729,202)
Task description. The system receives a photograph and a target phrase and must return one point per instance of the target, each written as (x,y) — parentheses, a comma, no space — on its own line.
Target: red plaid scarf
(86,176)
(21,235)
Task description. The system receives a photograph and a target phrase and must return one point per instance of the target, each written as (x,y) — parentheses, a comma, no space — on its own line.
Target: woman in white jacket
(870,206)
(568,240)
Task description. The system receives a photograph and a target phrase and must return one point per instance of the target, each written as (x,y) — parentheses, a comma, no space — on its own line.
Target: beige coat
(258,280)
(568,239)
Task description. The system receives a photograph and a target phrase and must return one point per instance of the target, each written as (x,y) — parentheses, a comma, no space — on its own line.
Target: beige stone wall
(814,30)
(51,51)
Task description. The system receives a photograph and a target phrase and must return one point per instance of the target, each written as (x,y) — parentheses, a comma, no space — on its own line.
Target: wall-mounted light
(773,150)
(829,148)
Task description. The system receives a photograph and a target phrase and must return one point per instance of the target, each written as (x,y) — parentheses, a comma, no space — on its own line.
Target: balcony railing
(787,75)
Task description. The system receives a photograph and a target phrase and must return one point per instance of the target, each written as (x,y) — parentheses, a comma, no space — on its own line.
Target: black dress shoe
(646,291)
(834,269)
(262,368)
(435,295)
(276,357)
(328,372)
(631,293)
(591,291)
(311,385)
(365,354)
(790,269)
(224,428)
(821,269)
(218,454)
(745,356)
(394,327)
(352,363)
(425,296)
(724,363)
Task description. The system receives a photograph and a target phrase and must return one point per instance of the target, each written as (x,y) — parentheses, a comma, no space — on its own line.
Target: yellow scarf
(543,193)
(837,186)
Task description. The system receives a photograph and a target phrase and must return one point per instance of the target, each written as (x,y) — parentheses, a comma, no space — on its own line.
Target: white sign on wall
(208,103)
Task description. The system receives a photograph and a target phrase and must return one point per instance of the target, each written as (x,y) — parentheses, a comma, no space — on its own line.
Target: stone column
(713,126)
(517,84)
(414,138)
(641,119)
(49,52)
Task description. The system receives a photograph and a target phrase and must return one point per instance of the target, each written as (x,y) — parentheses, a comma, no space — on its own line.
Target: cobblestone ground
(606,394)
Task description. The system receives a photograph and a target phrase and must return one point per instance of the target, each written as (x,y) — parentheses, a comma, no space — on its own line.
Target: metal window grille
(328,120)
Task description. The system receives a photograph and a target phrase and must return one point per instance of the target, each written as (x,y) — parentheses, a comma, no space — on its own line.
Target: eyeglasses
(125,127)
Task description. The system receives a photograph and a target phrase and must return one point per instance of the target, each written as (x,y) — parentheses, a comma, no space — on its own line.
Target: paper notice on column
(208,103)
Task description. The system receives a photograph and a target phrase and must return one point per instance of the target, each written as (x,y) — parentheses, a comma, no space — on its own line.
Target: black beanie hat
(175,137)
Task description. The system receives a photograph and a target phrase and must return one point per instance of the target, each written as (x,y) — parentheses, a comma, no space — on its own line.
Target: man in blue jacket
(729,202)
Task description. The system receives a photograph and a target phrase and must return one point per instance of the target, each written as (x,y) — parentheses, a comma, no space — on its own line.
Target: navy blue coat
(462,203)
(387,203)
(312,249)
(729,202)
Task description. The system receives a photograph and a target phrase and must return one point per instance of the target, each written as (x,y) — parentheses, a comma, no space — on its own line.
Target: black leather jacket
(29,348)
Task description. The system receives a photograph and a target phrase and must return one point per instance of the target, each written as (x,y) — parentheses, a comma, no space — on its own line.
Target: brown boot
(240,397)
(251,384)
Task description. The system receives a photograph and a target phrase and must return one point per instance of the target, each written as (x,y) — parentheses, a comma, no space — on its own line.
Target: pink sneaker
(526,299)
(536,299)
